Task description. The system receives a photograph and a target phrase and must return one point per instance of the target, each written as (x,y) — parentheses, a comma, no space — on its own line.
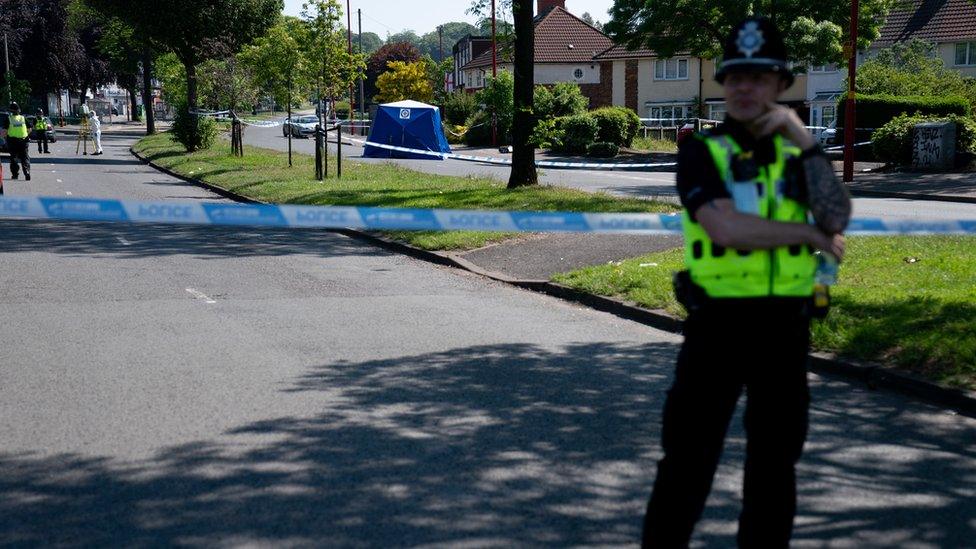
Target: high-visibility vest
(40,125)
(787,271)
(18,127)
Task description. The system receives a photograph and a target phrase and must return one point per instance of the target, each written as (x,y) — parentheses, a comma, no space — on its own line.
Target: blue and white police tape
(508,162)
(354,217)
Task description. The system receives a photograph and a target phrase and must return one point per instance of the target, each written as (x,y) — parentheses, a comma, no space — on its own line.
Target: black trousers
(759,346)
(19,156)
(42,140)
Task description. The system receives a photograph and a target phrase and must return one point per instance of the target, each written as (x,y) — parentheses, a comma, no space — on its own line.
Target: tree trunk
(523,123)
(191,86)
(147,96)
(133,104)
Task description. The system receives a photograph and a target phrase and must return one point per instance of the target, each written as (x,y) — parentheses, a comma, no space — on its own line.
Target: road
(652,184)
(213,387)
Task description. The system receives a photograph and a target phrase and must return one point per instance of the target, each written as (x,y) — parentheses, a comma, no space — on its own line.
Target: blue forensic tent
(409,124)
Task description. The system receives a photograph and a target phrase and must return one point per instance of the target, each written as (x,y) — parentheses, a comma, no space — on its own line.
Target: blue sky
(422,16)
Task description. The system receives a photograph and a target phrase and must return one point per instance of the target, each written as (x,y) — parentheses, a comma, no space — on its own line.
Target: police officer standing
(749,190)
(18,135)
(40,129)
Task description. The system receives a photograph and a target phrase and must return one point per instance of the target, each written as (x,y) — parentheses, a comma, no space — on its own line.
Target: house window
(671,69)
(578,74)
(716,111)
(828,114)
(668,115)
(966,53)
(824,68)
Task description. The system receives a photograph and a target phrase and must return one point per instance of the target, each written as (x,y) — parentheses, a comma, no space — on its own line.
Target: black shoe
(14,176)
(26,178)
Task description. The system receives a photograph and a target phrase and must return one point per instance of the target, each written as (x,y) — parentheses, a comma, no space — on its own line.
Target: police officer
(17,143)
(750,189)
(40,128)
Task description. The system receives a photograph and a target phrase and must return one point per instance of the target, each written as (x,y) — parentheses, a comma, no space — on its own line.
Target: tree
(278,62)
(588,19)
(813,31)
(196,30)
(404,81)
(332,69)
(912,68)
(122,48)
(449,34)
(379,63)
(408,36)
(371,42)
(227,83)
(523,123)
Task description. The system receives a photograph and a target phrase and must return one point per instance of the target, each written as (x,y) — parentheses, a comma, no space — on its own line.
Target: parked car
(299,126)
(52,134)
(828,136)
(4,117)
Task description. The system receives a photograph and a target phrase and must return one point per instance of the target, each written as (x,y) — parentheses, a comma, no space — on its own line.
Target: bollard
(339,151)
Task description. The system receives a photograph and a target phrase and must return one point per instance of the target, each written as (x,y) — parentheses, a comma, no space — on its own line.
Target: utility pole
(494,73)
(362,91)
(349,44)
(440,40)
(850,119)
(6,75)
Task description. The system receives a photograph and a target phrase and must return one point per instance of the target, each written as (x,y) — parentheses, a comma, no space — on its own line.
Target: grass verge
(654,145)
(265,175)
(905,301)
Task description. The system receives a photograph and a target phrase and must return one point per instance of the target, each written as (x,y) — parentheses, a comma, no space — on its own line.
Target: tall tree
(278,60)
(371,42)
(814,31)
(332,69)
(523,123)
(196,30)
(379,63)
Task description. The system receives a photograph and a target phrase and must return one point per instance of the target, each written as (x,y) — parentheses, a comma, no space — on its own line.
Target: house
(465,51)
(666,90)
(565,47)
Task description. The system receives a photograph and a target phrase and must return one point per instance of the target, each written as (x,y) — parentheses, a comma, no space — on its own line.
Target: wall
(551,74)
(948,54)
(619,83)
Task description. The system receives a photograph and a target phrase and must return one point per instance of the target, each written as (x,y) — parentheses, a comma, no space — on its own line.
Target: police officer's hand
(784,121)
(828,244)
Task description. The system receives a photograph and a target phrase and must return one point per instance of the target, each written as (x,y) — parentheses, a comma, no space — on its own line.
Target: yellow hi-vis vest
(18,127)
(782,272)
(40,125)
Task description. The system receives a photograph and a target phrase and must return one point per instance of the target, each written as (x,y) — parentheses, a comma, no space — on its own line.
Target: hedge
(874,111)
(602,150)
(617,125)
(578,133)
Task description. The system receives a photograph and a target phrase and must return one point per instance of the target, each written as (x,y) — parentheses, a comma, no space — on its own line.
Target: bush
(892,143)
(192,131)
(547,134)
(342,110)
(602,150)
(498,97)
(563,99)
(479,131)
(874,111)
(618,125)
(459,107)
(579,132)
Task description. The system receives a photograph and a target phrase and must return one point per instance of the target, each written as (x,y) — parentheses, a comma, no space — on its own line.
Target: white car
(300,126)
(828,136)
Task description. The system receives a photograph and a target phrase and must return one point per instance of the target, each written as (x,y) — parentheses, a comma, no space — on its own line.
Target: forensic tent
(409,124)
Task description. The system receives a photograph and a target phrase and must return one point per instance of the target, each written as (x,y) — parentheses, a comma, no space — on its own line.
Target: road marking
(59,181)
(199,295)
(67,193)
(123,241)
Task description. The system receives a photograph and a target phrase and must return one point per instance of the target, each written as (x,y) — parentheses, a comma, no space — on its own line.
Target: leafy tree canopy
(404,81)
(814,31)
(378,63)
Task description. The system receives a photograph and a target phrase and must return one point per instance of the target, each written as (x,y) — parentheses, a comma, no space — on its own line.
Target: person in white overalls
(96,130)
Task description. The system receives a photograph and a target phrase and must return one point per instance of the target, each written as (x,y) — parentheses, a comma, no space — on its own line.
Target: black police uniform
(757,345)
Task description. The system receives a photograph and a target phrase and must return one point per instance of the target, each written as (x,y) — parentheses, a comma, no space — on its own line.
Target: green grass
(654,145)
(264,175)
(919,315)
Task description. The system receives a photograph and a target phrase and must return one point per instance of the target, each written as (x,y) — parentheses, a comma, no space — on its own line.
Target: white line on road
(59,181)
(123,241)
(67,193)
(199,295)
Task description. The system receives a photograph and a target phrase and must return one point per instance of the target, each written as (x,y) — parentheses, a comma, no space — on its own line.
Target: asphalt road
(658,184)
(225,387)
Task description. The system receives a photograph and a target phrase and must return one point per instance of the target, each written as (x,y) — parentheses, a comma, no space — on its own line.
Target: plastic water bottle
(826,269)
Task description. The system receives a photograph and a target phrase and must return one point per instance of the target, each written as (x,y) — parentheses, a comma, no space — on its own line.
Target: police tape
(371,218)
(841,147)
(508,162)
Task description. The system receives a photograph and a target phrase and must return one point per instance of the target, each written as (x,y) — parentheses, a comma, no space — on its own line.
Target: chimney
(545,5)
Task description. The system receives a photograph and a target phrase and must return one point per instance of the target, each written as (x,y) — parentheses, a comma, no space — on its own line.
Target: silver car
(299,126)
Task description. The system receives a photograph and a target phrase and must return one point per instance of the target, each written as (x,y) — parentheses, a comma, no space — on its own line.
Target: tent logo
(404,114)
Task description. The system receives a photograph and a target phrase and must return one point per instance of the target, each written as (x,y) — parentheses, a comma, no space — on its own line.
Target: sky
(422,16)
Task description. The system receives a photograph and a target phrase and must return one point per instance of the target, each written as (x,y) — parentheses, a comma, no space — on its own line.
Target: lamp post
(494,73)
(850,119)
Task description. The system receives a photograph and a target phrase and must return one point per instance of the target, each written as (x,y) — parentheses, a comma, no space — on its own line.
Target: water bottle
(825,277)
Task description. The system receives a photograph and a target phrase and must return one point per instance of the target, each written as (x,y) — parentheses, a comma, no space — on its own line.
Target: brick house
(565,47)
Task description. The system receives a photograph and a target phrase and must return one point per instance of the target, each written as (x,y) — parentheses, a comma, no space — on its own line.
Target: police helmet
(14,107)
(755,44)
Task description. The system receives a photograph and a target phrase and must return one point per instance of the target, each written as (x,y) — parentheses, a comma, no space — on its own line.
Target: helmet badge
(750,39)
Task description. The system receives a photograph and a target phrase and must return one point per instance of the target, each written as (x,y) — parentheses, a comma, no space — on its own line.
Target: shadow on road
(141,241)
(503,445)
